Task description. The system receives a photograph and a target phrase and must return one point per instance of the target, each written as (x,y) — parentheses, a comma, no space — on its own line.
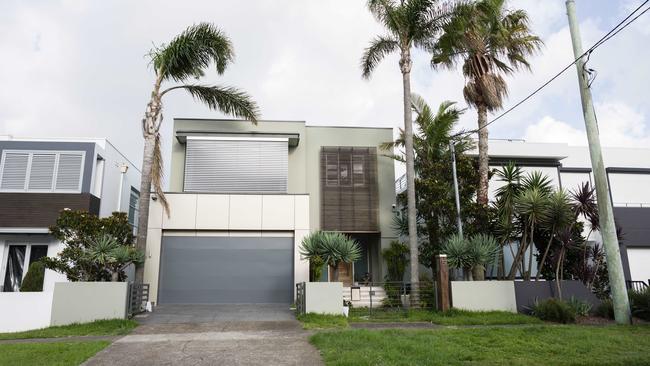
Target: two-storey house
(242,197)
(41,177)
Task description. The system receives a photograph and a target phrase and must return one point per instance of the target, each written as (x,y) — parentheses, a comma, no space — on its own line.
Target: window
(332,169)
(349,188)
(41,171)
(134,208)
(236,165)
(358,170)
(16,264)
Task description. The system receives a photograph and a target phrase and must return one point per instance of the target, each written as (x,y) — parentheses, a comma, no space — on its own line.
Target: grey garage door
(226,270)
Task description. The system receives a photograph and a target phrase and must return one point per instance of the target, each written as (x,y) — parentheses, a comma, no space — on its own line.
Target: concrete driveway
(247,334)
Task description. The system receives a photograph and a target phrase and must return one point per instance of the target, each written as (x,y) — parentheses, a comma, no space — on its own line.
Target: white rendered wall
(110,187)
(639,259)
(484,295)
(82,302)
(21,311)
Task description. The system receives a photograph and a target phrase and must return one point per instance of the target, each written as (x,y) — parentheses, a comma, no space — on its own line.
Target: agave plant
(458,256)
(472,255)
(106,252)
(331,248)
(484,250)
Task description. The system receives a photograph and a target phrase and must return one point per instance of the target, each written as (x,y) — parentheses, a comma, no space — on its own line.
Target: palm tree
(186,57)
(409,24)
(490,41)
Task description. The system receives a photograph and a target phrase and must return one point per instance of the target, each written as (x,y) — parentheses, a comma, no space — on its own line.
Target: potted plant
(347,305)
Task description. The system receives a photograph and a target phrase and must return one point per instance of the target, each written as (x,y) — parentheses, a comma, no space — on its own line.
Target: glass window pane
(15,267)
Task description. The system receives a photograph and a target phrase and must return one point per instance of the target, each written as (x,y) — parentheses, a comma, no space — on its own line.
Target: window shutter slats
(68,175)
(41,172)
(14,171)
(233,166)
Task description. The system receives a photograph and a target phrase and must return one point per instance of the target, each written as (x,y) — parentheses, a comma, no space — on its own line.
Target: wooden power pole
(605,210)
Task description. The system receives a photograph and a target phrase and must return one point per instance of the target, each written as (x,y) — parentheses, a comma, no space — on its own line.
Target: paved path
(213,335)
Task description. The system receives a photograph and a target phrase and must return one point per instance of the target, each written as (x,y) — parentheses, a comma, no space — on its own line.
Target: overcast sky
(71,68)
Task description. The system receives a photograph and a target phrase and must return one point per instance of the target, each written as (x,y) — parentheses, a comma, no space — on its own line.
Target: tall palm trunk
(405,66)
(149,132)
(483,158)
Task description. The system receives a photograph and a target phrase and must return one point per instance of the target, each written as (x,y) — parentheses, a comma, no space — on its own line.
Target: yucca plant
(532,207)
(559,216)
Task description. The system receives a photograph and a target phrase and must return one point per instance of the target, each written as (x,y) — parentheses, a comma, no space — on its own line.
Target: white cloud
(77,68)
(618,125)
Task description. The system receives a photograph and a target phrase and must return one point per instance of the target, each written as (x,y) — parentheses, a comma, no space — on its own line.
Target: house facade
(242,197)
(628,173)
(41,177)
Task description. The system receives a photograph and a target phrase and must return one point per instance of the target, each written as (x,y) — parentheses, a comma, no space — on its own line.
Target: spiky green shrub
(605,309)
(554,310)
(640,303)
(330,247)
(580,307)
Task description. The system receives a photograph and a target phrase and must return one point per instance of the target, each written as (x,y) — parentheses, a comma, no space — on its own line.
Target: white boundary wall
(324,297)
(70,302)
(82,302)
(21,311)
(484,295)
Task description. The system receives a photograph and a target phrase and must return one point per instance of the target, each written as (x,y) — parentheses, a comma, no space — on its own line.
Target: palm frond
(379,48)
(192,51)
(226,99)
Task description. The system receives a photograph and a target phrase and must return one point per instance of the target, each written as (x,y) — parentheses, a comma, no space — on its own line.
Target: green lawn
(451,317)
(533,345)
(96,328)
(320,321)
(40,354)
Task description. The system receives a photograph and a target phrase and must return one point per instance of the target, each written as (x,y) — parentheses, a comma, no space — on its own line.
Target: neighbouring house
(243,196)
(628,173)
(41,177)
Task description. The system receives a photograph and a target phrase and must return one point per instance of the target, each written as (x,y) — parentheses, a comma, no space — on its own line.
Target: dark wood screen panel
(349,193)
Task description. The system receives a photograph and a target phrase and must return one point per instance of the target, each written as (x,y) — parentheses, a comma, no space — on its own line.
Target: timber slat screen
(349,192)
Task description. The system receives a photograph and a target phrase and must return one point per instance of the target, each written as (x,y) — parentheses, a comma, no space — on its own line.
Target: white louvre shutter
(41,172)
(14,171)
(68,175)
(233,166)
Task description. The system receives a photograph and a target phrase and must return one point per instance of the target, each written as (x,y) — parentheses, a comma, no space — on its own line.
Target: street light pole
(605,211)
(452,148)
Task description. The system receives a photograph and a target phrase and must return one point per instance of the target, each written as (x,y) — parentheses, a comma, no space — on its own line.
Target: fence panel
(300,298)
(384,299)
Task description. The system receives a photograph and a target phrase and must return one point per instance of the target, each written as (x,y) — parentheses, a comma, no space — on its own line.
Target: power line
(614,31)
